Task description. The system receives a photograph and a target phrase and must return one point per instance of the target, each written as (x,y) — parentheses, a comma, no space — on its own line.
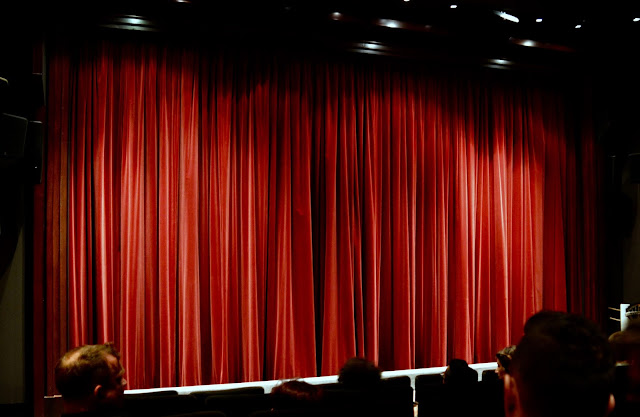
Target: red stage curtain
(225,217)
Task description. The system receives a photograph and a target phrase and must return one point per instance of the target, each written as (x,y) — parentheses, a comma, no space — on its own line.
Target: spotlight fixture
(406,1)
(372,45)
(454,6)
(527,42)
(535,44)
(131,22)
(390,23)
(507,16)
(500,62)
(538,20)
(336,15)
(578,26)
(637,19)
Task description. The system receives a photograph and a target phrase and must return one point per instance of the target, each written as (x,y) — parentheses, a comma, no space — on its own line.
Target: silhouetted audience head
(628,347)
(298,391)
(91,378)
(459,372)
(489,375)
(562,366)
(542,318)
(619,346)
(359,373)
(503,358)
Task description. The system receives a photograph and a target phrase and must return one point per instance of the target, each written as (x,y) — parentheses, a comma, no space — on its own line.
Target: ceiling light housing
(507,16)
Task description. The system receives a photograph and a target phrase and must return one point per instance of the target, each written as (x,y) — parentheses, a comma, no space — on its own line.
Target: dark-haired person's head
(359,373)
(542,318)
(503,358)
(620,347)
(91,378)
(562,366)
(459,372)
(298,391)
(629,353)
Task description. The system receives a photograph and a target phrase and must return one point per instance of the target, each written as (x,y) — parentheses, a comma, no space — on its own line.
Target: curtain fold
(230,217)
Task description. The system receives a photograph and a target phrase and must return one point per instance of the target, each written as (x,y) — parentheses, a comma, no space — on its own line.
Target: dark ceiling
(610,21)
(559,15)
(596,32)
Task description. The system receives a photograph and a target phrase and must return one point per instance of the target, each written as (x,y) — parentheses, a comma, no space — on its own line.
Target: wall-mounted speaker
(4,93)
(13,133)
(36,87)
(634,168)
(34,154)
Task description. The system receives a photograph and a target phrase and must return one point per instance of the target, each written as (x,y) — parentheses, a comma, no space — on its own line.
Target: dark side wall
(617,102)
(12,328)
(20,56)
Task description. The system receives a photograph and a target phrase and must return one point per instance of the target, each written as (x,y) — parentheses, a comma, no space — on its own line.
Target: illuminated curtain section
(226,217)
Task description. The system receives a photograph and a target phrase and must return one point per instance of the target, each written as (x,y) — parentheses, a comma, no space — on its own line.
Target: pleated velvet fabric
(226,216)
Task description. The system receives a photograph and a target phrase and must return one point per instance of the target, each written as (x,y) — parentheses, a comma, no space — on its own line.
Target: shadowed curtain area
(226,216)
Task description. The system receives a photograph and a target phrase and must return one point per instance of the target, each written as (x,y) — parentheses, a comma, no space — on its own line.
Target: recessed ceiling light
(507,16)
(578,26)
(390,23)
(371,45)
(454,6)
(406,1)
(134,20)
(637,19)
(500,61)
(538,20)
